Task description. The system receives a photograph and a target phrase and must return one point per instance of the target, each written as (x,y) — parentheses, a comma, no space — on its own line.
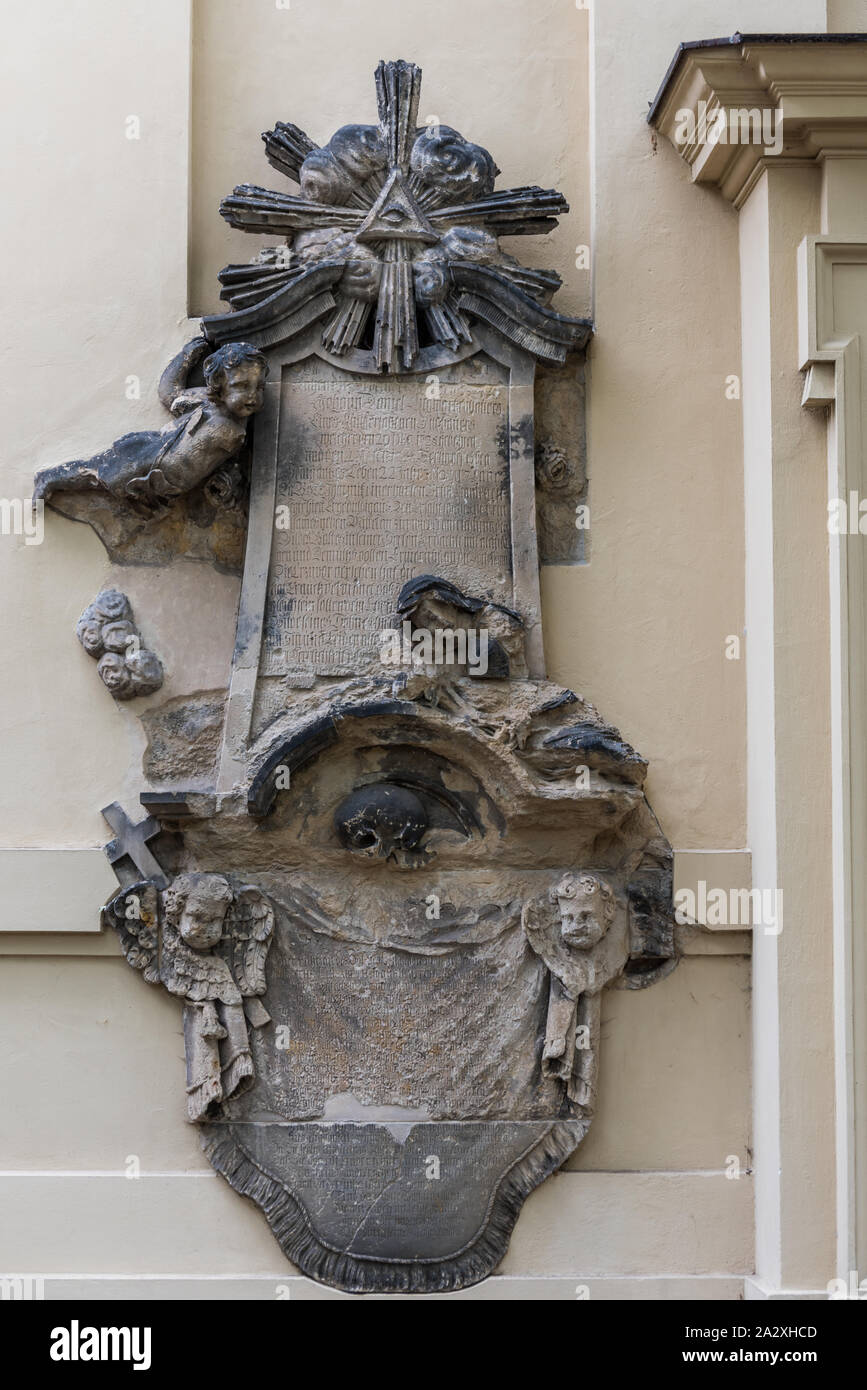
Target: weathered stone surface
(206,941)
(192,528)
(561,463)
(361,1204)
(449,901)
(391,899)
(107,632)
(184,740)
(149,492)
(380,483)
(394,244)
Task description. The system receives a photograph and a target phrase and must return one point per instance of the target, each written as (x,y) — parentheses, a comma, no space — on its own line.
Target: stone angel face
(147,469)
(580,930)
(215,939)
(199,903)
(587,906)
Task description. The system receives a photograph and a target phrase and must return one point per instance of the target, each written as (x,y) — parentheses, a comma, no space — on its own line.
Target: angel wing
(133,914)
(249,929)
(195,975)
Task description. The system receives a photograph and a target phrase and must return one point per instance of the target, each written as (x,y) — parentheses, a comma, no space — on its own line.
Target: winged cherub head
(587,909)
(197,905)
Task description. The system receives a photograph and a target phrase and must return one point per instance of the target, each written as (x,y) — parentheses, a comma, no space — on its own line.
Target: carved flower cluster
(107,632)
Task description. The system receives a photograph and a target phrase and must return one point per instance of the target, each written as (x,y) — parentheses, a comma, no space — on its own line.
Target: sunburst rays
(400,199)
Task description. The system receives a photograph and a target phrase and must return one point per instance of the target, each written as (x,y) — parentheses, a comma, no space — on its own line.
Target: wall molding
(830,353)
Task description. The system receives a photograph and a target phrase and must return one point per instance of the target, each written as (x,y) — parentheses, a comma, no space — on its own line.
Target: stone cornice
(809,90)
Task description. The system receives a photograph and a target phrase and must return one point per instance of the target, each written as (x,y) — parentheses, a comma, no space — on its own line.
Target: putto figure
(207,942)
(581,932)
(149,468)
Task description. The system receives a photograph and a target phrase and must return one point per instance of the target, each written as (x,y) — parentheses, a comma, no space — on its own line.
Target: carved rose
(115,676)
(112,604)
(221,488)
(109,609)
(89,633)
(106,631)
(553,470)
(146,671)
(117,637)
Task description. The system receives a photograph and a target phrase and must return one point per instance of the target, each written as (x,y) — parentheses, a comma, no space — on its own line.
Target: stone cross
(131,842)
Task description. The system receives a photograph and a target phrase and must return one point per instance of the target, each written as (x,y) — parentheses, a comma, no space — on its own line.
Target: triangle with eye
(396,215)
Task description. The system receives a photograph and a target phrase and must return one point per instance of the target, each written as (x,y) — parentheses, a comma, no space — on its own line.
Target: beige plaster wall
(96,234)
(108,261)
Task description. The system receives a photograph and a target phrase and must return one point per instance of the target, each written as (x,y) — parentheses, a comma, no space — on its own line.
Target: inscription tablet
(377,482)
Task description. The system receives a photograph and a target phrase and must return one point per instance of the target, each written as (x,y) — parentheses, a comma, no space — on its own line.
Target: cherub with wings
(580,930)
(147,469)
(206,941)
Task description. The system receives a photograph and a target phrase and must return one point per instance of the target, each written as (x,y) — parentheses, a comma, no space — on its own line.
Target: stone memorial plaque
(390,905)
(378,481)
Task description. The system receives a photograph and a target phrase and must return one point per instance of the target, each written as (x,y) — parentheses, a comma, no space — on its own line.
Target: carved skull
(382,821)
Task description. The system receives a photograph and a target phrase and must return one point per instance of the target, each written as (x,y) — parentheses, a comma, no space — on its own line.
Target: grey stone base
(353,1205)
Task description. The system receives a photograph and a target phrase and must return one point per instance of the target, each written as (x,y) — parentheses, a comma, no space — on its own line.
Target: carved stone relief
(206,942)
(392,868)
(393,241)
(107,632)
(153,495)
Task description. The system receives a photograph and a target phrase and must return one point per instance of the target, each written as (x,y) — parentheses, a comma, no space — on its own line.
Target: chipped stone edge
(353,1274)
